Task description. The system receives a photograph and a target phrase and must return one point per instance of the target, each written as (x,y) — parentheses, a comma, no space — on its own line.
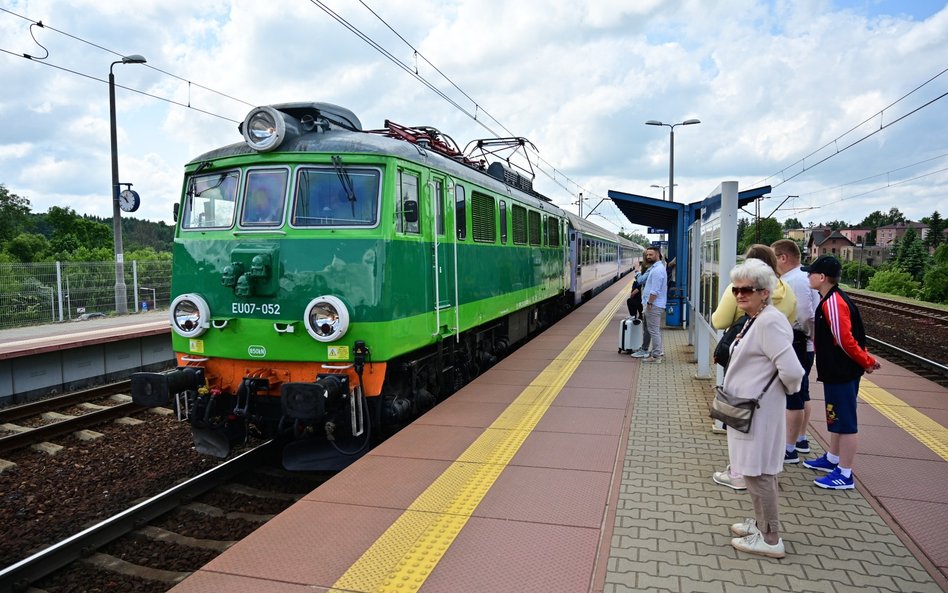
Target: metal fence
(31,294)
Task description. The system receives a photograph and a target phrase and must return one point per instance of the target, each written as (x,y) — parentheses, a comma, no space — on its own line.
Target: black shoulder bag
(722,352)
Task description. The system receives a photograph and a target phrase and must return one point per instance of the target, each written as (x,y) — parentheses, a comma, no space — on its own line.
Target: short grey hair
(757,273)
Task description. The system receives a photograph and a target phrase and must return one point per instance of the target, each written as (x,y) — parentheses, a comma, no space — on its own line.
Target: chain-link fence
(32,294)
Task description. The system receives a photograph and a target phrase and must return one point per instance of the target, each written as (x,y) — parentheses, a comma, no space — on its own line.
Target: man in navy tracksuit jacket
(841,359)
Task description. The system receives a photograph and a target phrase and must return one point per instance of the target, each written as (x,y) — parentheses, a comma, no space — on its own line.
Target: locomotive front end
(276,272)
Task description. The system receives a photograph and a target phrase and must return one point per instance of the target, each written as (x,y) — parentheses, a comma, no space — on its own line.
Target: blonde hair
(757,273)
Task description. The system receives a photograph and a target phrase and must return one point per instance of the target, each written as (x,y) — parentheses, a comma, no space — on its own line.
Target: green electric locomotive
(329,282)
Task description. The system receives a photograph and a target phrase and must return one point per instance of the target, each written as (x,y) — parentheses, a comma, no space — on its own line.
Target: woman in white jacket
(764,347)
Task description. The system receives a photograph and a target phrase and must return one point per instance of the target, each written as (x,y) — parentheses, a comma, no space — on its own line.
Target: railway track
(913,335)
(900,308)
(142,548)
(919,365)
(40,421)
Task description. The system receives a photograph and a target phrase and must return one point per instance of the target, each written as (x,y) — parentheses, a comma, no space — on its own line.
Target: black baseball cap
(825,264)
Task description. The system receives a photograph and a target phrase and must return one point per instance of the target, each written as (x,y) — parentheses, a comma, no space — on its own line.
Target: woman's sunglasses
(744,290)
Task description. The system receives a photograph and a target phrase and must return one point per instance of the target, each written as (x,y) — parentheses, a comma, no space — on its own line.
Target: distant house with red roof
(890,233)
(826,241)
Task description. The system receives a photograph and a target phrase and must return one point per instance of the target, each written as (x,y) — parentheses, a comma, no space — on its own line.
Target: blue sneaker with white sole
(835,480)
(820,464)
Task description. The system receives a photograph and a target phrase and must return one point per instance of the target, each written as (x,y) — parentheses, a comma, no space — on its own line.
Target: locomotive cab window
(341,197)
(209,201)
(264,198)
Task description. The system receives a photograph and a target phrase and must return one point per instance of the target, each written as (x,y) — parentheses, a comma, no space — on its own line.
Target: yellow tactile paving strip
(406,554)
(928,432)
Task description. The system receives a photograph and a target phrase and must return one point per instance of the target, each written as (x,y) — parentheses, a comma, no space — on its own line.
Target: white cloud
(772,82)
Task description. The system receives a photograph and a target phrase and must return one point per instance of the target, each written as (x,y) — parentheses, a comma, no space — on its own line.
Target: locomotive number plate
(254,308)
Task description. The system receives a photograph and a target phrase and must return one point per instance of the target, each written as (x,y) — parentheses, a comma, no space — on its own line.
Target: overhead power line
(835,142)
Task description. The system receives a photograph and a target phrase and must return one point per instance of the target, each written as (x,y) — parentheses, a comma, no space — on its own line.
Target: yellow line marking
(403,557)
(928,432)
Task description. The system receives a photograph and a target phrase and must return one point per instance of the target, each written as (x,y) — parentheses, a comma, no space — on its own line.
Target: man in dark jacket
(841,358)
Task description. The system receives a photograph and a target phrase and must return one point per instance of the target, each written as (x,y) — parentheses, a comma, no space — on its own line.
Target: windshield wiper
(345,181)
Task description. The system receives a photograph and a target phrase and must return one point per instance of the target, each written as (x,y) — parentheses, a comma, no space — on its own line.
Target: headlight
(264,129)
(190,315)
(326,318)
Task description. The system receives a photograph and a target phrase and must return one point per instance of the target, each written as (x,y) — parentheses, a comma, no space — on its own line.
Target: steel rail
(11,413)
(61,427)
(18,577)
(912,357)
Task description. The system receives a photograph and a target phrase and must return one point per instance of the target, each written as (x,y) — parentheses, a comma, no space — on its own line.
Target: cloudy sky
(836,102)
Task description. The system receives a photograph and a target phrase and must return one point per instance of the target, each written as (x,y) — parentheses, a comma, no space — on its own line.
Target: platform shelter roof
(661,214)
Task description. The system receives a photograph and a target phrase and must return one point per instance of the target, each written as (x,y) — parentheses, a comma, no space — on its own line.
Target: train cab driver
(336,205)
(262,208)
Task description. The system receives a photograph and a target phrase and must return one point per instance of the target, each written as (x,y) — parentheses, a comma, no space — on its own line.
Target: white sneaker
(745,528)
(640,354)
(755,544)
(726,479)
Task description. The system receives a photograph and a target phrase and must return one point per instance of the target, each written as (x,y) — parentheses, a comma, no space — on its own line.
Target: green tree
(767,231)
(14,213)
(28,247)
(911,255)
(742,224)
(877,219)
(935,284)
(856,274)
(836,224)
(941,255)
(636,238)
(936,230)
(64,222)
(894,282)
(894,217)
(792,223)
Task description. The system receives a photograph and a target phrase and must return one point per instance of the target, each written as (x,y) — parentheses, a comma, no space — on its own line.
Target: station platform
(571,468)
(38,339)
(41,360)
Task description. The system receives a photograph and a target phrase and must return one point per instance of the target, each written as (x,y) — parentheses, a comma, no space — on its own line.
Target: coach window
(407,192)
(503,222)
(264,198)
(460,212)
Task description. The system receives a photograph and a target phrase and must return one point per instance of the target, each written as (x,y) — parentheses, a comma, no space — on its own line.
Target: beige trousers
(765,493)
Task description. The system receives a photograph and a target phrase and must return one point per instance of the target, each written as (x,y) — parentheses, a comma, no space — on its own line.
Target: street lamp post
(671,150)
(663,188)
(121,297)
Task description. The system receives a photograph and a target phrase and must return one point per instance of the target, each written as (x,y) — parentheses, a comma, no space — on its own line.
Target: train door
(442,256)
